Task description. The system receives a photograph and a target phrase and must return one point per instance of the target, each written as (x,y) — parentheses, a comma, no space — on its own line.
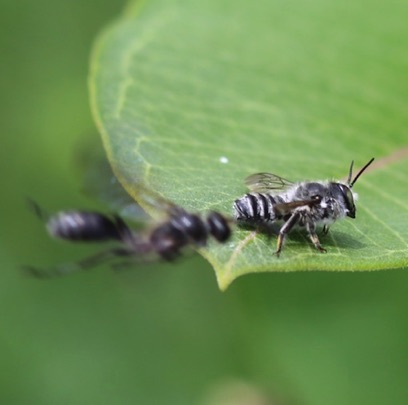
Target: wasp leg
(285,229)
(83,264)
(311,230)
(124,231)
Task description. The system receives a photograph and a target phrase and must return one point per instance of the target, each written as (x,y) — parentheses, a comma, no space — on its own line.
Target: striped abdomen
(257,207)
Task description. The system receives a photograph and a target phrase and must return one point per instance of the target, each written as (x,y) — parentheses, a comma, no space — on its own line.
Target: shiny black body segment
(84,226)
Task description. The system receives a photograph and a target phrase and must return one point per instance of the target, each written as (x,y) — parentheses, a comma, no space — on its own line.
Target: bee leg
(311,230)
(325,230)
(285,229)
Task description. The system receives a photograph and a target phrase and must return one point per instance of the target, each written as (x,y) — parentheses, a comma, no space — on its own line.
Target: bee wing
(264,182)
(288,207)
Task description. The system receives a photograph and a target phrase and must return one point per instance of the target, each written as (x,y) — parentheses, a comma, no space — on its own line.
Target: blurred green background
(158,334)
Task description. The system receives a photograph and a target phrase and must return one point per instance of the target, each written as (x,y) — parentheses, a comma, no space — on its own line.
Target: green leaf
(191,97)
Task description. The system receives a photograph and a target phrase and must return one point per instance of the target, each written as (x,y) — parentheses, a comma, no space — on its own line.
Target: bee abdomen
(256,207)
(82,226)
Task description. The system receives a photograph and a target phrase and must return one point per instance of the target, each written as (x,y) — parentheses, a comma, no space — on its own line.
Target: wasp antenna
(34,207)
(360,172)
(350,172)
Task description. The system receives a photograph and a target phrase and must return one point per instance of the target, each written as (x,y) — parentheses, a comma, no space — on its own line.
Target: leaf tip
(224,279)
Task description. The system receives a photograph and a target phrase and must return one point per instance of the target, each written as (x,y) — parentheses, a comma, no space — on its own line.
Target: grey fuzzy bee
(305,204)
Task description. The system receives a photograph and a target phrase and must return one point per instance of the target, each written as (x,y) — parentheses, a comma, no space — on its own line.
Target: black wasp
(306,204)
(164,240)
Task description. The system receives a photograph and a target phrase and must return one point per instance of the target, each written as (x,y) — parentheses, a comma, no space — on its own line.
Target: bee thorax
(327,212)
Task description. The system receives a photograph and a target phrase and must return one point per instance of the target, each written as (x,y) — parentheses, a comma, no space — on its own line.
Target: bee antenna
(350,172)
(359,173)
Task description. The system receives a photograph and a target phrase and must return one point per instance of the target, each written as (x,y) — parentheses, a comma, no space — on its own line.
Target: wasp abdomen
(82,226)
(219,227)
(256,207)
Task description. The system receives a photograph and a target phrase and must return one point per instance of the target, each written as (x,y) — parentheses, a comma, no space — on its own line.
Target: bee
(305,204)
(165,240)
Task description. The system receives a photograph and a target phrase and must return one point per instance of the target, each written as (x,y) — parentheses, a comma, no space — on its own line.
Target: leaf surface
(191,97)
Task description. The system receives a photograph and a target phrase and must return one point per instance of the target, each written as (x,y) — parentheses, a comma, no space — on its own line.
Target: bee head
(344,196)
(342,192)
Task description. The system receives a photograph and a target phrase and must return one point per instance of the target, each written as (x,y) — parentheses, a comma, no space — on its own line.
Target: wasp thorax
(192,226)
